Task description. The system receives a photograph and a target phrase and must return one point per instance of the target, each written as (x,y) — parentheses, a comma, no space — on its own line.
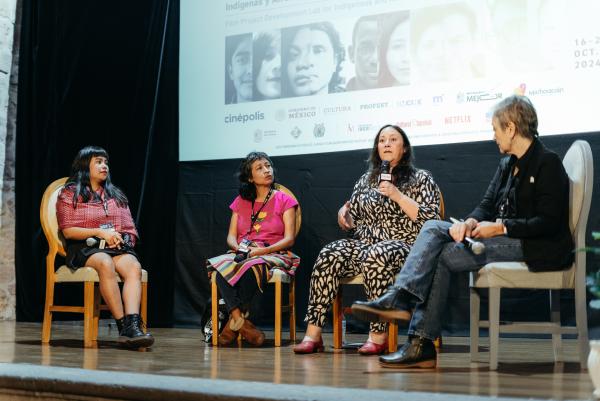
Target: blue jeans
(426,272)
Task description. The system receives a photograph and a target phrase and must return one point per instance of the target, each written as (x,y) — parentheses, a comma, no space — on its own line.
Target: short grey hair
(519,110)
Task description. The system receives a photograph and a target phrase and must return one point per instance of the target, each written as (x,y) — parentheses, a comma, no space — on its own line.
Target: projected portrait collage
(443,43)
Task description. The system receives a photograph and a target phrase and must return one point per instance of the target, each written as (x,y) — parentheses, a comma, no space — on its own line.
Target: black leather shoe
(389,307)
(417,352)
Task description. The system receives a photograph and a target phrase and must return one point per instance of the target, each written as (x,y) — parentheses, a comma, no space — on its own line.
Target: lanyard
(254,216)
(504,206)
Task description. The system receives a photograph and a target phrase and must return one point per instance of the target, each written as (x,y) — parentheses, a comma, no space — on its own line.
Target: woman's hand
(256,251)
(487,229)
(113,238)
(458,231)
(389,190)
(344,219)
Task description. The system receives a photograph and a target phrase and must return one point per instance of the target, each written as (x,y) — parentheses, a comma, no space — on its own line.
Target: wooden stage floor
(526,369)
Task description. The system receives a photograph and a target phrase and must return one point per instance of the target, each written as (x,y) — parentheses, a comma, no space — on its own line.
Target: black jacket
(541,209)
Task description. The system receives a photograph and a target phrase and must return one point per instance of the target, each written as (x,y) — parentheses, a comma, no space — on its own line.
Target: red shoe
(309,346)
(371,348)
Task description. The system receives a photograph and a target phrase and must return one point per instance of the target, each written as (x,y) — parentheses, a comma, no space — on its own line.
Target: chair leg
(392,337)
(582,325)
(494,313)
(338,315)
(214,300)
(555,318)
(475,303)
(47,325)
(292,306)
(96,315)
(278,313)
(88,314)
(144,303)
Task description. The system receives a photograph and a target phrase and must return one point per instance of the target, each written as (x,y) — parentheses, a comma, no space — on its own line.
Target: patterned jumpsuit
(381,240)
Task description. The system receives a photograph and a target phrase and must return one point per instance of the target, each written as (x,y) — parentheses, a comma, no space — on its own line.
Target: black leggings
(240,295)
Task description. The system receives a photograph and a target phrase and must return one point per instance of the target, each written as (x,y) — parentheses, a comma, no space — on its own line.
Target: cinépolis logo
(244,118)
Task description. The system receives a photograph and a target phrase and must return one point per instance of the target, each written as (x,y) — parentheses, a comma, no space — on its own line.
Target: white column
(8,98)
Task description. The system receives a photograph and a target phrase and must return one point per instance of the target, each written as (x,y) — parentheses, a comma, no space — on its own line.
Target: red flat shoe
(309,346)
(371,348)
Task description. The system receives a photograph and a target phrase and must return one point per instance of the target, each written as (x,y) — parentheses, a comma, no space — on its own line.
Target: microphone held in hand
(95,242)
(475,246)
(385,174)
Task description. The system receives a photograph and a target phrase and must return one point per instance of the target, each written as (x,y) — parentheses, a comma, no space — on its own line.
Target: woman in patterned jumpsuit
(384,219)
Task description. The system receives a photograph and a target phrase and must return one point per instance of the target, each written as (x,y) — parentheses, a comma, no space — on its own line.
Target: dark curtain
(322,182)
(102,73)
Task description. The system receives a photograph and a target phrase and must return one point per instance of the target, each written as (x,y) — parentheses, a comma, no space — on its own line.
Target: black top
(537,209)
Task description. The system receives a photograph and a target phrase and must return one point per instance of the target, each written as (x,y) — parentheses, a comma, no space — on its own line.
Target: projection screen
(310,76)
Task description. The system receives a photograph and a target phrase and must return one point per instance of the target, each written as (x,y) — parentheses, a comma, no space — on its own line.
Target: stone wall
(9,39)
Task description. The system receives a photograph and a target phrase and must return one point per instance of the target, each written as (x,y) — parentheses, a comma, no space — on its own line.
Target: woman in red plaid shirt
(91,207)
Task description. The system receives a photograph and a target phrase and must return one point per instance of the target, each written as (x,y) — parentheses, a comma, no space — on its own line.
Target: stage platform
(182,367)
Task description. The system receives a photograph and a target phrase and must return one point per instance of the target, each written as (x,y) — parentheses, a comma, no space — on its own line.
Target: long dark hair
(404,172)
(248,189)
(79,180)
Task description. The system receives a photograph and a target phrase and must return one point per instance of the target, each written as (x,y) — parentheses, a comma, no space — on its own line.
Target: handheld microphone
(93,242)
(475,246)
(385,174)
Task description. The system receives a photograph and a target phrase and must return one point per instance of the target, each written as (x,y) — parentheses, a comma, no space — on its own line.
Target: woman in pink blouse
(91,208)
(261,231)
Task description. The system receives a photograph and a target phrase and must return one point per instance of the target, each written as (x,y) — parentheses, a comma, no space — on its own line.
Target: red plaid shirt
(91,214)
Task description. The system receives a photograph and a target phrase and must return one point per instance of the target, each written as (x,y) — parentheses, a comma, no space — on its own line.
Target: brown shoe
(253,335)
(227,336)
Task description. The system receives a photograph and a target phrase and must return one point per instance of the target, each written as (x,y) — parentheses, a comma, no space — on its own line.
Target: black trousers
(240,295)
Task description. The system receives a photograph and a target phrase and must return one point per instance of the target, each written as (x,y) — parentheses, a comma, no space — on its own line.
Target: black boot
(131,335)
(391,306)
(417,352)
(119,323)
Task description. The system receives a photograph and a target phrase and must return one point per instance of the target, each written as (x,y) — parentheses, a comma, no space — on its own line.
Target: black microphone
(385,174)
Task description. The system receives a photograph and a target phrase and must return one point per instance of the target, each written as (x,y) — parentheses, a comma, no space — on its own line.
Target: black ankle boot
(417,352)
(393,305)
(119,323)
(131,335)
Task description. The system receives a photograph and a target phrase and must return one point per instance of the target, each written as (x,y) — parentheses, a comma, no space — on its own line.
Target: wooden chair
(339,310)
(86,275)
(278,278)
(495,276)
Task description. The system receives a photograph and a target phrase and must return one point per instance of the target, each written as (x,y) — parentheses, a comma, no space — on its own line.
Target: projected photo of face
(395,56)
(510,30)
(312,60)
(267,65)
(553,34)
(443,43)
(238,69)
(363,53)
